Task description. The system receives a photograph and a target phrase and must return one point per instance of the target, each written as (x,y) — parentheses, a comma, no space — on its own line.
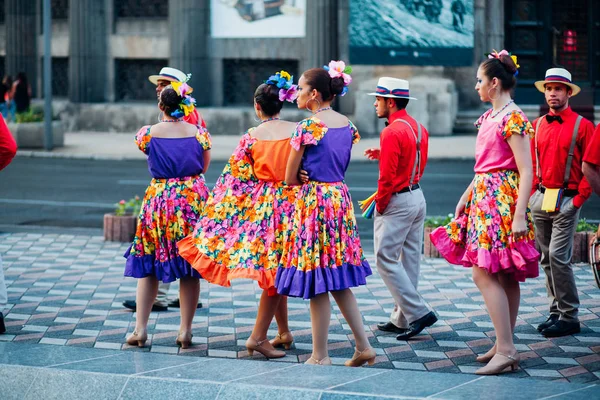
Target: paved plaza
(67,290)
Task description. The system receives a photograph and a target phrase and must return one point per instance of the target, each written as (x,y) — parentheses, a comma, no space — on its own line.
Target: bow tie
(551,118)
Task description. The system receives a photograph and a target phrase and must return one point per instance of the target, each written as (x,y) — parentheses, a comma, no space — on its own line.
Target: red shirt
(397,157)
(554,140)
(592,154)
(8,147)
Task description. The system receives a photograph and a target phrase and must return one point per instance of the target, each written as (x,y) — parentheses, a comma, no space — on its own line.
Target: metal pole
(48,139)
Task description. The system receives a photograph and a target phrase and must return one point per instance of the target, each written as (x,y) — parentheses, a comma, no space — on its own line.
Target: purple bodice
(329,159)
(175,157)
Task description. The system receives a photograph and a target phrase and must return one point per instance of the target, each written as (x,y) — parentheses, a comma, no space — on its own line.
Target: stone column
(22,29)
(189,31)
(322,33)
(495,24)
(88,50)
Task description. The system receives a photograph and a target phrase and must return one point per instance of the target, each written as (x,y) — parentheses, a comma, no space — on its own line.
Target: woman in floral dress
(241,231)
(178,155)
(493,229)
(322,251)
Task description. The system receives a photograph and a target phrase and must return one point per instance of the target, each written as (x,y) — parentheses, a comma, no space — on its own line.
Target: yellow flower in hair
(187,109)
(514,58)
(176,86)
(285,75)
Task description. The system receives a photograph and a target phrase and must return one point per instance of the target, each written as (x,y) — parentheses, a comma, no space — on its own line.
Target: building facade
(103,50)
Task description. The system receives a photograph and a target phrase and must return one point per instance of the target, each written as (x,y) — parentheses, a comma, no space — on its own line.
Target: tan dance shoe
(485,358)
(511,361)
(184,340)
(362,357)
(253,345)
(137,339)
(284,340)
(322,361)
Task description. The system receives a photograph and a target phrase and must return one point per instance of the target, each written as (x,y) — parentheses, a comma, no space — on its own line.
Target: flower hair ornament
(284,81)
(339,69)
(497,55)
(188,103)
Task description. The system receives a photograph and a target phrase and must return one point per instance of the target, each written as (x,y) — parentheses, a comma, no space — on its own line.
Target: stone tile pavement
(65,291)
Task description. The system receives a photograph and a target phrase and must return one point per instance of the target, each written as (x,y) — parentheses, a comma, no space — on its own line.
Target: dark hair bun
(509,64)
(267,97)
(170,100)
(337,86)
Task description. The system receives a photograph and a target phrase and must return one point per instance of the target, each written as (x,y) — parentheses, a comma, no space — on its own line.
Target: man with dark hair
(400,208)
(559,191)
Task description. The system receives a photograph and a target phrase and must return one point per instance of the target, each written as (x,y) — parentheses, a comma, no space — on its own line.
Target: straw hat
(558,75)
(168,74)
(392,88)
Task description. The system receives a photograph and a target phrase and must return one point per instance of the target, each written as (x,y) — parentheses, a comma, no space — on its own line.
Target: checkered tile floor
(67,290)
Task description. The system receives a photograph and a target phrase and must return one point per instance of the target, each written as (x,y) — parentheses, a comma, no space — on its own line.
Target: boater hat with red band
(558,75)
(392,88)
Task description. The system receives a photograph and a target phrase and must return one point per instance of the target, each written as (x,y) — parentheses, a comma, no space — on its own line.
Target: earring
(161,115)
(490,96)
(310,109)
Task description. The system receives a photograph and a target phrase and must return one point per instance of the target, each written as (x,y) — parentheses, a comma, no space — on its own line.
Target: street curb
(5,228)
(101,157)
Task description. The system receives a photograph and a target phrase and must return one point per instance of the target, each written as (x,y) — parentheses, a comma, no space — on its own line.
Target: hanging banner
(411,32)
(244,19)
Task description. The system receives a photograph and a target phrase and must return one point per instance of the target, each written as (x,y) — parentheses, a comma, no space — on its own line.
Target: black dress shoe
(2,326)
(552,319)
(562,328)
(175,304)
(416,327)
(132,306)
(389,327)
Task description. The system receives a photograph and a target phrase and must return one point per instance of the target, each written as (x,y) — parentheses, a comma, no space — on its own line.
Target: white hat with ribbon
(168,74)
(392,88)
(558,75)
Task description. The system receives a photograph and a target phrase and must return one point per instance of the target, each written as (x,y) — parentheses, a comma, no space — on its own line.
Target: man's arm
(584,189)
(592,174)
(388,163)
(591,162)
(8,146)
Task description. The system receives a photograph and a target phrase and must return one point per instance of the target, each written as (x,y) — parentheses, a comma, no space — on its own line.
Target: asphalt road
(76,193)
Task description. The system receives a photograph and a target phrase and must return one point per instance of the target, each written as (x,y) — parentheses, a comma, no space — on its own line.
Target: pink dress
(482,235)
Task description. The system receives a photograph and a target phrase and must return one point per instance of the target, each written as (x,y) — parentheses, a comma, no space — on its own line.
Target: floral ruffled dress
(322,250)
(171,206)
(241,231)
(482,235)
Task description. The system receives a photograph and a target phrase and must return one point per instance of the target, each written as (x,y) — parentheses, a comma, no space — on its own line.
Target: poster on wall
(411,32)
(258,18)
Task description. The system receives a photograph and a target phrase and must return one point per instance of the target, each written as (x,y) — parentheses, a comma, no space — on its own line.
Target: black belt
(566,192)
(407,189)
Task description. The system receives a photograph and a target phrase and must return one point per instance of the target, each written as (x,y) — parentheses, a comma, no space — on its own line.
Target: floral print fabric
(170,209)
(241,232)
(322,247)
(143,136)
(482,235)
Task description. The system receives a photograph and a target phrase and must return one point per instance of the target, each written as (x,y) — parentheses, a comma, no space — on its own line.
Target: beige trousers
(398,243)
(554,236)
(161,297)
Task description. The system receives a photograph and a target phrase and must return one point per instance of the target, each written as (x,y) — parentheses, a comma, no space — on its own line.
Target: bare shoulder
(333,119)
(274,130)
(173,130)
